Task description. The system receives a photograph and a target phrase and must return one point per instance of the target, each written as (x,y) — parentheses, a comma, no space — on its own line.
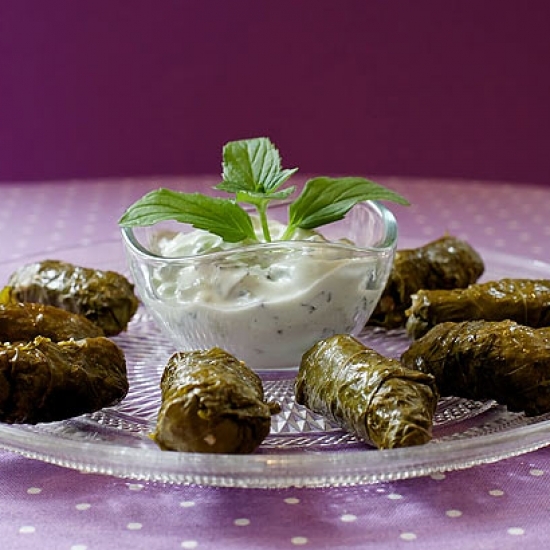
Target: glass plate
(303,449)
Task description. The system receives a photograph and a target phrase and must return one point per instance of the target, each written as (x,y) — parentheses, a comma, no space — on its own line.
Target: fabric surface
(501,506)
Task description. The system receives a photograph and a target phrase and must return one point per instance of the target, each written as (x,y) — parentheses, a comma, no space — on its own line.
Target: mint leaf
(252,165)
(223,217)
(325,200)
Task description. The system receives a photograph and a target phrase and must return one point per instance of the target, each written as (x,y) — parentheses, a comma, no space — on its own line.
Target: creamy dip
(267,309)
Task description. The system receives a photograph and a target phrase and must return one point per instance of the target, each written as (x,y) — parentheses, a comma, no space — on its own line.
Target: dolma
(499,360)
(22,322)
(525,301)
(211,403)
(365,393)
(104,297)
(445,263)
(44,381)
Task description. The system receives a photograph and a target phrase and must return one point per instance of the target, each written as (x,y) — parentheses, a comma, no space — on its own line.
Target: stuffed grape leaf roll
(211,402)
(21,322)
(367,394)
(445,263)
(526,301)
(500,360)
(44,381)
(104,297)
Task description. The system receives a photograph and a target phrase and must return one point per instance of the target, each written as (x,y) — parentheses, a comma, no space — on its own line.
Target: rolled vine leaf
(22,322)
(500,360)
(445,263)
(372,396)
(211,403)
(45,381)
(104,297)
(526,301)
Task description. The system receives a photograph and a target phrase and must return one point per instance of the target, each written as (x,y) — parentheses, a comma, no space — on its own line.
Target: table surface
(493,506)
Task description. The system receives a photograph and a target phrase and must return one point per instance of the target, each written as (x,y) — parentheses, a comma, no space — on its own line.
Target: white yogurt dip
(267,309)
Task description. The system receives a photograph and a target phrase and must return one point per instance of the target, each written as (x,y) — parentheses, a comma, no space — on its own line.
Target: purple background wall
(423,88)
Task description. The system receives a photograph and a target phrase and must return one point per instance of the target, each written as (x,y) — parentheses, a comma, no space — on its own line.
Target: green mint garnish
(252,172)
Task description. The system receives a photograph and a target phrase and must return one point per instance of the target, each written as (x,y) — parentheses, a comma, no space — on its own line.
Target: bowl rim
(387,244)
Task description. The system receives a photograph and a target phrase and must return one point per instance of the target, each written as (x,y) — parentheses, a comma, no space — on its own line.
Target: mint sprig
(252,172)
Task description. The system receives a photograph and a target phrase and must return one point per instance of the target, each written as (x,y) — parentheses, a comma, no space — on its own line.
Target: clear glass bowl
(266,303)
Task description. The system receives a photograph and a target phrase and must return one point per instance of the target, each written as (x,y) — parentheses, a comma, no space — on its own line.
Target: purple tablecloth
(493,506)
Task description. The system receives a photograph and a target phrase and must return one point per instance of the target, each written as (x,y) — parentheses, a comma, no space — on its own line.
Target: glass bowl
(266,303)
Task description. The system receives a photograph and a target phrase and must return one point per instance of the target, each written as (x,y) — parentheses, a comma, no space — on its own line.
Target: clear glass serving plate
(303,449)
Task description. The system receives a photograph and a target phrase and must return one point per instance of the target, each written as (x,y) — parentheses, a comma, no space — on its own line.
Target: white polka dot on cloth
(299,541)
(242,522)
(515,531)
(189,544)
(187,504)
